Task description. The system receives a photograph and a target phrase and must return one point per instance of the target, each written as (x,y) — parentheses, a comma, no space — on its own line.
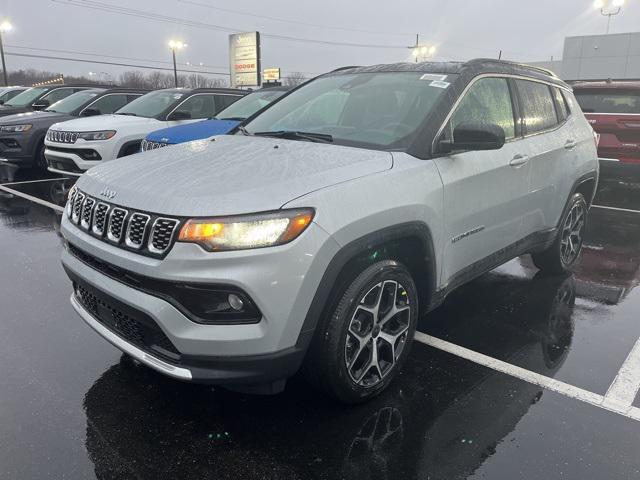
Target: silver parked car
(316,235)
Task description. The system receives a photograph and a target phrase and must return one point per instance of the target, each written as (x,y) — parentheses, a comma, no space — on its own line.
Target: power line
(102,62)
(118,64)
(294,22)
(105,7)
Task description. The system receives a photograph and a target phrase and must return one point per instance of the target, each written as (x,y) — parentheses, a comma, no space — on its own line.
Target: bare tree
(157,79)
(134,79)
(294,79)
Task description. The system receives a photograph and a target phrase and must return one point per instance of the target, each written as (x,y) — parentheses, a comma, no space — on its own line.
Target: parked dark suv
(39,98)
(22,135)
(613,110)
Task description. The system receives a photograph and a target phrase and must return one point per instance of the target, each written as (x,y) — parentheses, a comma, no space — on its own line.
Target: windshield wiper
(295,135)
(127,113)
(243,130)
(232,119)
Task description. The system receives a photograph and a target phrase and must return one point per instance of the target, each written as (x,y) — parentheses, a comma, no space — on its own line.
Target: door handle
(570,144)
(519,160)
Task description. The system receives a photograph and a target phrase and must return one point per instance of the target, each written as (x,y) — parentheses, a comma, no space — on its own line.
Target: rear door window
(608,101)
(538,109)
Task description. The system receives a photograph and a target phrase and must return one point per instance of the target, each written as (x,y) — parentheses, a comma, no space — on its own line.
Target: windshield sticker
(178,96)
(433,76)
(439,84)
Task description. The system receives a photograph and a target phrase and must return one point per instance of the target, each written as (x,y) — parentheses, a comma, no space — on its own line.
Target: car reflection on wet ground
(72,407)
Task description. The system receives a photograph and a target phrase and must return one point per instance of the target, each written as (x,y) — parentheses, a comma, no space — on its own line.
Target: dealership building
(598,57)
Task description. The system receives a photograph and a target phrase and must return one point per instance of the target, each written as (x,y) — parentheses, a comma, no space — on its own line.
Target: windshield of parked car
(152,104)
(249,104)
(379,110)
(608,101)
(72,102)
(25,98)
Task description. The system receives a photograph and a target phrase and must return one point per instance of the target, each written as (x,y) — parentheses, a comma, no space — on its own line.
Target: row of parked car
(69,129)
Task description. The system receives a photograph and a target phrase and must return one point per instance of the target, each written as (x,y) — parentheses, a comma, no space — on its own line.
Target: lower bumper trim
(135,352)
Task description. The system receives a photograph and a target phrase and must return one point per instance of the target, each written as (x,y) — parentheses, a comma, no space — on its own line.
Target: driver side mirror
(179,115)
(90,112)
(41,105)
(474,136)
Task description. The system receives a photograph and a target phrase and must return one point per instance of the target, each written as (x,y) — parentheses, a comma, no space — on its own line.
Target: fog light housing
(235,302)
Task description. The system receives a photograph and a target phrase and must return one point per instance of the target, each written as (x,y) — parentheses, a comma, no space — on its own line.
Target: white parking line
(529,376)
(622,392)
(615,208)
(31,198)
(36,181)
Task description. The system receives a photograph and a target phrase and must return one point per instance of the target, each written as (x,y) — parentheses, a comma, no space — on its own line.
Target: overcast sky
(461,29)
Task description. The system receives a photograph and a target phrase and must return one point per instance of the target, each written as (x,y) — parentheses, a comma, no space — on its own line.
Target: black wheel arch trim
(414,229)
(127,145)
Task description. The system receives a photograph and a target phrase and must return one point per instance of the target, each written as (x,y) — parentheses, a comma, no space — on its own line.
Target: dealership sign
(271,74)
(244,58)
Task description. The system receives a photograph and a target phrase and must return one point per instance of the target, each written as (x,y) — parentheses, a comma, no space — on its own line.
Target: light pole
(5,26)
(421,50)
(175,45)
(609,8)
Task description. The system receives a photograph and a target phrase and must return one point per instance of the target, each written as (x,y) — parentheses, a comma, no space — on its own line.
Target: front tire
(565,250)
(361,346)
(41,160)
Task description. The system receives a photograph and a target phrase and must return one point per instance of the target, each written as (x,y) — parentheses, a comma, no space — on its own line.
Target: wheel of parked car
(41,161)
(360,347)
(566,248)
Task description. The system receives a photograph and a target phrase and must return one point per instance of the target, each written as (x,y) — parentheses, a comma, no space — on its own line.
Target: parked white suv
(316,235)
(87,141)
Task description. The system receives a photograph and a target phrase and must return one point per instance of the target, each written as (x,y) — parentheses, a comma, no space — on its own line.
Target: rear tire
(565,250)
(361,345)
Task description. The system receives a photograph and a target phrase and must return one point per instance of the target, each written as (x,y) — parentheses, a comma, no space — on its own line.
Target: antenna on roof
(500,55)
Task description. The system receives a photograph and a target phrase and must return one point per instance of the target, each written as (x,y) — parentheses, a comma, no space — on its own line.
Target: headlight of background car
(99,135)
(16,128)
(247,231)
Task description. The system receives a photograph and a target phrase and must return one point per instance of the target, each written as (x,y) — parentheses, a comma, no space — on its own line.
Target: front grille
(149,145)
(59,136)
(162,234)
(87,212)
(132,325)
(143,232)
(136,230)
(116,224)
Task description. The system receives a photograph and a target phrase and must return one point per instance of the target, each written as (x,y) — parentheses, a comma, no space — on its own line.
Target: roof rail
(344,68)
(515,64)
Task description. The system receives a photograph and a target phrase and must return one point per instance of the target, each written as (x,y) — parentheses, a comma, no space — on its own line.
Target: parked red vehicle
(613,110)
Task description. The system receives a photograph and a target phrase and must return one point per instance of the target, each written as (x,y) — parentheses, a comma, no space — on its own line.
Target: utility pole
(5,26)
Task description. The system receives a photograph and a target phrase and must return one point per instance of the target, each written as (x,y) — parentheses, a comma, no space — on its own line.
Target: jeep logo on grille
(107,193)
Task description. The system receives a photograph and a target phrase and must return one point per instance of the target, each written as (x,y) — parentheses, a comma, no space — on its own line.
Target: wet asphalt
(71,406)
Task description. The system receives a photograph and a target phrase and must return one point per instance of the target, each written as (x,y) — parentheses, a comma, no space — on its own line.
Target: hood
(106,122)
(7,110)
(192,131)
(229,175)
(34,117)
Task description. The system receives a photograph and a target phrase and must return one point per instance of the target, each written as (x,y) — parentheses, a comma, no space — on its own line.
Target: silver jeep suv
(314,236)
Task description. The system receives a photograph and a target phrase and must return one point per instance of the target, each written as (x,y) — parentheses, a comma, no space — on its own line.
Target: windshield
(608,101)
(25,98)
(152,104)
(249,104)
(72,102)
(377,109)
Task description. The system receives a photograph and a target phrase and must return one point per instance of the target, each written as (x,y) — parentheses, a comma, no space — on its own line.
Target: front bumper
(280,280)
(68,158)
(17,149)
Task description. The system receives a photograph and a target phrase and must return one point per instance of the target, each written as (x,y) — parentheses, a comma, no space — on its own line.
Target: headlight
(99,135)
(247,231)
(16,128)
